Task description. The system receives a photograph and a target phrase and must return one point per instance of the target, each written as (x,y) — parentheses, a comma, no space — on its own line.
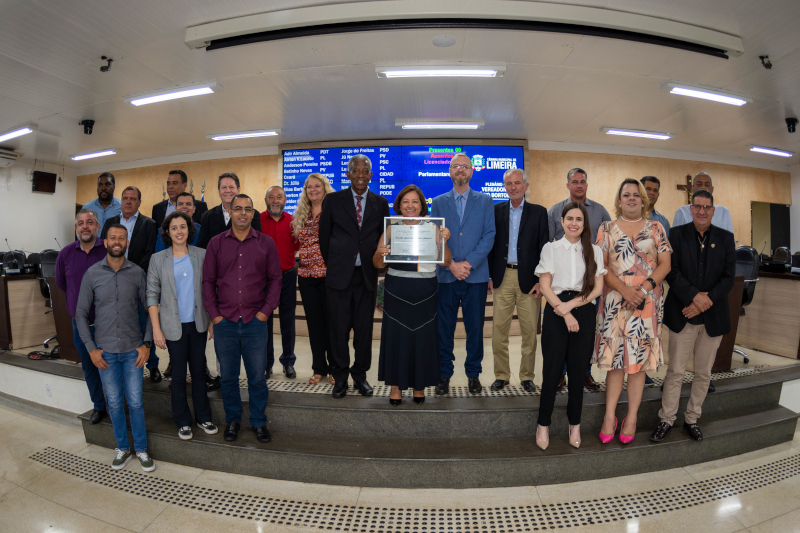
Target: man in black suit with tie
(176,184)
(350,226)
(696,310)
(218,219)
(142,233)
(521,233)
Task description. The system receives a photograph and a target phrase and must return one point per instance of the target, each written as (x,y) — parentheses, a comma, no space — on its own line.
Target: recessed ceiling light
(173,93)
(243,134)
(463,71)
(771,151)
(108,151)
(443,41)
(706,94)
(19,132)
(637,133)
(423,124)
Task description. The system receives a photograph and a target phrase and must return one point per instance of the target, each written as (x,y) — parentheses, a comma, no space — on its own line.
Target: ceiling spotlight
(706,94)
(637,133)
(173,93)
(443,41)
(476,71)
(19,132)
(771,151)
(108,151)
(422,124)
(243,134)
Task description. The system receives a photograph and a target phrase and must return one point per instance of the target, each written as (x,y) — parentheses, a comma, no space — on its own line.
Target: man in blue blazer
(470,217)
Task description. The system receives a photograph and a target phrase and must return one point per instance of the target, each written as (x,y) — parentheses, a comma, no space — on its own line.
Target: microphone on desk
(58,243)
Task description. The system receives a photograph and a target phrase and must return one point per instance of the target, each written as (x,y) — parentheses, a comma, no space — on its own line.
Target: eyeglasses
(239,209)
(457,167)
(706,208)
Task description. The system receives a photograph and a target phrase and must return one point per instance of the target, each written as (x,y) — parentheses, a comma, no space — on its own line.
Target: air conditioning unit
(8,157)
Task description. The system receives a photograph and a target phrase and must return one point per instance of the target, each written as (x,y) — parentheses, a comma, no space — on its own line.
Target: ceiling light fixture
(771,151)
(13,134)
(423,124)
(463,71)
(706,94)
(637,133)
(108,151)
(174,93)
(243,134)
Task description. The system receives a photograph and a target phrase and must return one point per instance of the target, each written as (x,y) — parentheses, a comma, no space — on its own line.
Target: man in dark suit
(350,226)
(218,219)
(696,311)
(521,233)
(176,184)
(142,233)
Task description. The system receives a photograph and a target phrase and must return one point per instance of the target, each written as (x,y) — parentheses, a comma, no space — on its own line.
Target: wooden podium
(725,350)
(63,321)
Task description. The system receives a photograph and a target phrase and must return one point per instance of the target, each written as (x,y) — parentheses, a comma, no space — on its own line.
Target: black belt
(568,294)
(513,266)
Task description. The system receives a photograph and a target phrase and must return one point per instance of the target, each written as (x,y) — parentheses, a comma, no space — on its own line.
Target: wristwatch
(148,344)
(652,282)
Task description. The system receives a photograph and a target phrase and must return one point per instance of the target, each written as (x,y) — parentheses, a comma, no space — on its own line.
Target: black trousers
(558,346)
(286,311)
(351,308)
(313,294)
(190,348)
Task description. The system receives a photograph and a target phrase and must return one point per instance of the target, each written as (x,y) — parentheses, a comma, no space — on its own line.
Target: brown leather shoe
(562,385)
(590,383)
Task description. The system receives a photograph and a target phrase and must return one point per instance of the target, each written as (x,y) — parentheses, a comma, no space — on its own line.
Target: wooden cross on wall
(687,188)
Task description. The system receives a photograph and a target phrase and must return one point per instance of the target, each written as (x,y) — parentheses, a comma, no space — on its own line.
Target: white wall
(31,220)
(66,394)
(794,212)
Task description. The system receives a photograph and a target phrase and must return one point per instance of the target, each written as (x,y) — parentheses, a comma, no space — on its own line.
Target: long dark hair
(588,251)
(167,221)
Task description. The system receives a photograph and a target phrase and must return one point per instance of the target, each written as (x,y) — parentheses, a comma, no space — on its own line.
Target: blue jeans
(90,371)
(152,362)
(122,382)
(472,299)
(234,342)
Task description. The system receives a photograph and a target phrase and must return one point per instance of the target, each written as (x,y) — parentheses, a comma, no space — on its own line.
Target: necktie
(460,206)
(358,210)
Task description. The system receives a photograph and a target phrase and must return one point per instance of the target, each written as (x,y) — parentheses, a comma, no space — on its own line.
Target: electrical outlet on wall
(49,389)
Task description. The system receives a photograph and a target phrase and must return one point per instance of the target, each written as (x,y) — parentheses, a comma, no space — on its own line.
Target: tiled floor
(36,497)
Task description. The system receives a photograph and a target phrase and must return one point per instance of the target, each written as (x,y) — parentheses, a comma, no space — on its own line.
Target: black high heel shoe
(419,399)
(395,402)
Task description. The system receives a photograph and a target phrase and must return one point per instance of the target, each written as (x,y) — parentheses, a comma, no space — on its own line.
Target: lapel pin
(712,245)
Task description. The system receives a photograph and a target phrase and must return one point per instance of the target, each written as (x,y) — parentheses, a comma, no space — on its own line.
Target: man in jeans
(72,263)
(116,287)
(241,287)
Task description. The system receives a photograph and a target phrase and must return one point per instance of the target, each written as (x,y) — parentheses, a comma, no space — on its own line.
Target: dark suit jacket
(683,278)
(340,239)
(213,223)
(533,235)
(143,240)
(160,210)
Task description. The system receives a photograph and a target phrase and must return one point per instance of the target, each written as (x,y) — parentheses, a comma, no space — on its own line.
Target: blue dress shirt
(514,218)
(655,216)
(184,286)
(129,224)
(113,209)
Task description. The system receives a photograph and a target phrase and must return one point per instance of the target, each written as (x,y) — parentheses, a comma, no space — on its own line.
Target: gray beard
(274,213)
(460,182)
(86,239)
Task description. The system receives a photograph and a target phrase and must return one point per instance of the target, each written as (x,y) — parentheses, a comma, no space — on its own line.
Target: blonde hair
(304,204)
(642,193)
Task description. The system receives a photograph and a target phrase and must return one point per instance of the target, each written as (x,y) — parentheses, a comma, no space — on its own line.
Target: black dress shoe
(155,375)
(443,387)
(498,384)
(562,384)
(363,388)
(168,371)
(693,430)
(97,416)
(661,432)
(528,386)
(340,389)
(231,431)
(268,373)
(289,372)
(711,387)
(590,383)
(475,386)
(395,402)
(262,434)
(213,384)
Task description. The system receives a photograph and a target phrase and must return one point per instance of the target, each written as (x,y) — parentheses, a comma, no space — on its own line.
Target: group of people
(192,274)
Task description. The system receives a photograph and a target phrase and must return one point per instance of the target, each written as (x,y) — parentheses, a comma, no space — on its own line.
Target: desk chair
(747,266)
(14,262)
(46,268)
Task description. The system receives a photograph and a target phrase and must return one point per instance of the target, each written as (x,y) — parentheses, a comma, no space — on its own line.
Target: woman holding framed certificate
(409,355)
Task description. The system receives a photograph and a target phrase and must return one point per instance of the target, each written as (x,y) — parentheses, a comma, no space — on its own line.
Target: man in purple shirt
(241,287)
(72,263)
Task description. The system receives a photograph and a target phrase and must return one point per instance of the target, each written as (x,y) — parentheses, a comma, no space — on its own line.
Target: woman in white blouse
(571,277)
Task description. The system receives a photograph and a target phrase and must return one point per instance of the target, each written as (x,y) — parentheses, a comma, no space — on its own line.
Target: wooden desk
(725,350)
(63,323)
(24,321)
(772,320)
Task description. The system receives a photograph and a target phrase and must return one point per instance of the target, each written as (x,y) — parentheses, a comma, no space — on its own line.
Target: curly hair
(167,221)
(642,194)
(304,204)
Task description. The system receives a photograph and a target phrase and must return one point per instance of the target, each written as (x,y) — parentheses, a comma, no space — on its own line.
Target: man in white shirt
(722,217)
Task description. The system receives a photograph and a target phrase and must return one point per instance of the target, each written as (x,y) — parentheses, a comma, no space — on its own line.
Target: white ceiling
(557,87)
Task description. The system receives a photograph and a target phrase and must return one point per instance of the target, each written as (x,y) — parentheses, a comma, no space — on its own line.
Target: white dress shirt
(226,216)
(129,224)
(564,261)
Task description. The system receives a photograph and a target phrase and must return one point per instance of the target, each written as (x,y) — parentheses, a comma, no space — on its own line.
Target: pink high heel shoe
(626,439)
(605,439)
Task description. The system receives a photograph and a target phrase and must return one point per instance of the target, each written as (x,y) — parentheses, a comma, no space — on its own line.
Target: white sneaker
(185,433)
(146,461)
(208,427)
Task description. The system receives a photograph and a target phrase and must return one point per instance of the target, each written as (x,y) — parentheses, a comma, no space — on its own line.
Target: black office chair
(782,255)
(46,269)
(14,262)
(747,266)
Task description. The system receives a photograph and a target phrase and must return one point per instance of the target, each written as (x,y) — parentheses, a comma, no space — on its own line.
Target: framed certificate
(413,239)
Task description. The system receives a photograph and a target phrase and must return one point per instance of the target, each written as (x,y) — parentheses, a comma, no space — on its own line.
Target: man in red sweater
(278,225)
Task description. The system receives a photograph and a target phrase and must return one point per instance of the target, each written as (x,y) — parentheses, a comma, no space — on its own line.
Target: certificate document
(414,240)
